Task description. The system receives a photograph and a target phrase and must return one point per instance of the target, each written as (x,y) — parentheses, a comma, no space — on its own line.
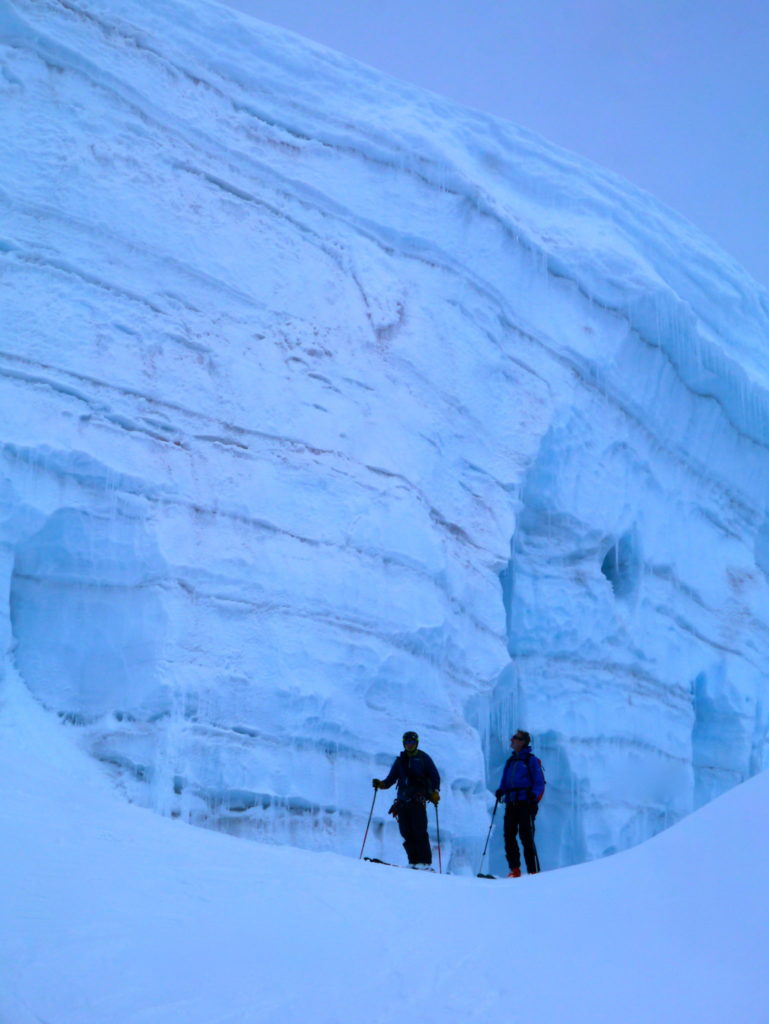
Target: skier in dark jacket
(520,789)
(418,781)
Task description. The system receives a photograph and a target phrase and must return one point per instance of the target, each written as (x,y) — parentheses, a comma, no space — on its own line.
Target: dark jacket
(416,776)
(522,777)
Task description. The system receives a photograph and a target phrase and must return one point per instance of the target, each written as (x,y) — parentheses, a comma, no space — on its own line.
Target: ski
(387,864)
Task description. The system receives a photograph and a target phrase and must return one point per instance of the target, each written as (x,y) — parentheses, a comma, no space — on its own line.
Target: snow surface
(123,917)
(331,409)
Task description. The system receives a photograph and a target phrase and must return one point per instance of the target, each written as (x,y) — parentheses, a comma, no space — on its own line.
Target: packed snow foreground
(330,410)
(114,915)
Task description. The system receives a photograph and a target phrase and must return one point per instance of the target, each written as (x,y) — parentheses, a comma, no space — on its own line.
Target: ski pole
(438,831)
(488,835)
(370,813)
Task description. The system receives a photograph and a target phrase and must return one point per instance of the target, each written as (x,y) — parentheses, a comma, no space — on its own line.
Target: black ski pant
(412,822)
(519,821)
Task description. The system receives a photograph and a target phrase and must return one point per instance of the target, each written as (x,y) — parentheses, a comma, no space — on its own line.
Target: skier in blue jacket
(520,789)
(418,781)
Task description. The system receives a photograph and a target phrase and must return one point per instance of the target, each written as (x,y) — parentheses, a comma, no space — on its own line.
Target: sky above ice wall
(671,94)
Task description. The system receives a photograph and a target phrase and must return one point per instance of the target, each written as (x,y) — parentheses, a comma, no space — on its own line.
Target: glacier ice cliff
(332,409)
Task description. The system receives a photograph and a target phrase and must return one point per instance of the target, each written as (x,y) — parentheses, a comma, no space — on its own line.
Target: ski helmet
(410,736)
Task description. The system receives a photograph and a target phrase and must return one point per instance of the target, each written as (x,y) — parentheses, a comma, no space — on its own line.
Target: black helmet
(410,735)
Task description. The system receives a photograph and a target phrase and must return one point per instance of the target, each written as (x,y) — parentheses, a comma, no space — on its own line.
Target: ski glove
(434,797)
(499,794)
(376,783)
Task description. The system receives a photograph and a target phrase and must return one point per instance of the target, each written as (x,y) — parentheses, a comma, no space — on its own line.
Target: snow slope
(123,917)
(331,409)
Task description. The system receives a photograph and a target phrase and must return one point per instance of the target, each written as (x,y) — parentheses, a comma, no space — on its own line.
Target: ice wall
(332,409)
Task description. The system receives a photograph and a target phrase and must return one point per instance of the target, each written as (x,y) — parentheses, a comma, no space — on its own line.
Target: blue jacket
(522,777)
(416,775)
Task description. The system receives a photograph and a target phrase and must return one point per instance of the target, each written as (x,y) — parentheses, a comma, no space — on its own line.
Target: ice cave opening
(622,565)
